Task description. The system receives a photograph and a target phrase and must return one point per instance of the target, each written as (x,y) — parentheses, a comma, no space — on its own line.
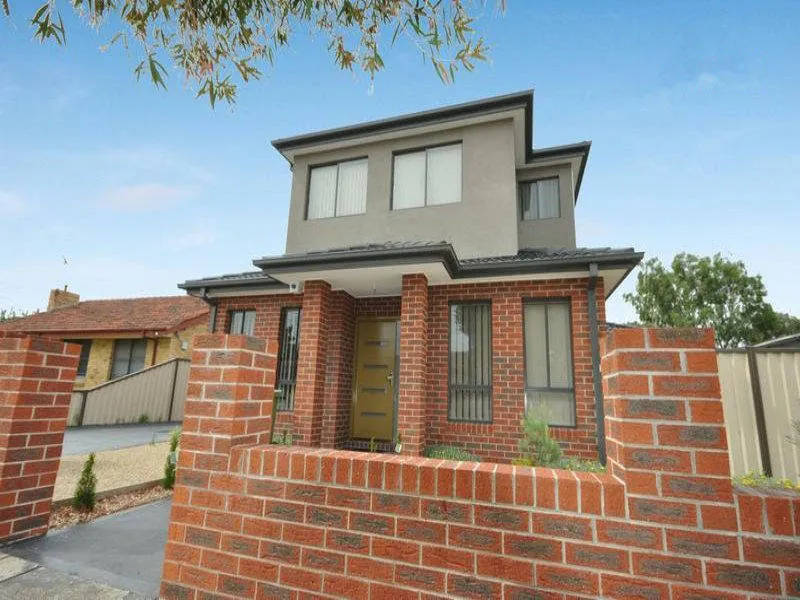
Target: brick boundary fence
(36,377)
(252,520)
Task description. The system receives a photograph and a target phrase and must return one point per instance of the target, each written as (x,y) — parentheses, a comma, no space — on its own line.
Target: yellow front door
(375,380)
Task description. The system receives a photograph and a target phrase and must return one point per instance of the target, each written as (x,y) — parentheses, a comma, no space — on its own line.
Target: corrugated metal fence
(155,394)
(761,397)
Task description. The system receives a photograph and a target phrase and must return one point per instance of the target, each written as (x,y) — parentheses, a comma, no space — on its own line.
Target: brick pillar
(312,363)
(413,363)
(339,372)
(228,407)
(664,425)
(36,377)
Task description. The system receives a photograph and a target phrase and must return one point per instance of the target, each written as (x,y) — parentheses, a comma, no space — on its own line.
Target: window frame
(84,344)
(133,341)
(546,301)
(425,149)
(280,382)
(490,420)
(529,181)
(331,163)
(232,311)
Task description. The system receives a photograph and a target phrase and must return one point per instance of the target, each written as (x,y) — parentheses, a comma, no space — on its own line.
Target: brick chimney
(62,299)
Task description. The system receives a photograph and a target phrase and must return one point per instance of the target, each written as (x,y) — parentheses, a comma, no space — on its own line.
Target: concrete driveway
(124,550)
(82,440)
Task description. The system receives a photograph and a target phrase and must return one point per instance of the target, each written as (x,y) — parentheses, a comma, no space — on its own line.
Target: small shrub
(172,459)
(143,418)
(373,445)
(84,497)
(282,439)
(450,453)
(536,444)
(759,480)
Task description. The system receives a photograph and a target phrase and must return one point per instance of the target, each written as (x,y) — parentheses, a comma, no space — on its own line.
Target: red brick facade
(663,524)
(492,441)
(36,378)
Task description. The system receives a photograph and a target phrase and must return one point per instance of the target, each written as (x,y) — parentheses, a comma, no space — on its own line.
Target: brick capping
(664,522)
(36,378)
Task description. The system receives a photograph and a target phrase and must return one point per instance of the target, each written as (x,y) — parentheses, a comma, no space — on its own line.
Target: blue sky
(692,108)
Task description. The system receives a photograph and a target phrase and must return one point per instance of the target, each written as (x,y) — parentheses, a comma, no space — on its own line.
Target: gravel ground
(114,468)
(66,516)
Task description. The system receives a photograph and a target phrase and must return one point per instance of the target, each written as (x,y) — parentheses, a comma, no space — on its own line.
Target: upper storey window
(338,190)
(540,199)
(427,177)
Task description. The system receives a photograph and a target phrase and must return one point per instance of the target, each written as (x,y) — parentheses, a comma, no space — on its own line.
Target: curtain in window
(470,362)
(548,361)
(322,192)
(287,357)
(548,198)
(408,189)
(444,175)
(351,197)
(249,322)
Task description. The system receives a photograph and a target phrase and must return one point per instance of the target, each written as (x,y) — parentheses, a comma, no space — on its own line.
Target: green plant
(450,453)
(757,479)
(84,497)
(536,444)
(373,445)
(143,418)
(172,459)
(282,439)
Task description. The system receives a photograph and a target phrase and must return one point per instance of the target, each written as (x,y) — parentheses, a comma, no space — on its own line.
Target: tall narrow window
(540,199)
(427,177)
(548,361)
(242,322)
(128,357)
(338,190)
(470,362)
(83,361)
(287,357)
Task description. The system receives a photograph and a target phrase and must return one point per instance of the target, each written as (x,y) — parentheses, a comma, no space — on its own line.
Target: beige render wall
(185,335)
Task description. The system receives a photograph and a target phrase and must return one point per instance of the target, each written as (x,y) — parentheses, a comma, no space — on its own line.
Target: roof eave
(613,261)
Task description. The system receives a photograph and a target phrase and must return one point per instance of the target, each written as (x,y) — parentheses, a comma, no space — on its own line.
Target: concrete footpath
(118,557)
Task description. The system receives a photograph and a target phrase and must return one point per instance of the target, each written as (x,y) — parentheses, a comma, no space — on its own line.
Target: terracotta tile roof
(166,313)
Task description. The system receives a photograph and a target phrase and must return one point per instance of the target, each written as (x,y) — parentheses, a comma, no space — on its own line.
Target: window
(83,361)
(128,357)
(337,190)
(470,362)
(287,357)
(427,177)
(242,322)
(548,361)
(540,199)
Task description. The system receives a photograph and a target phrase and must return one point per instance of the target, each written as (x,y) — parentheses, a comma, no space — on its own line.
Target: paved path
(82,440)
(124,551)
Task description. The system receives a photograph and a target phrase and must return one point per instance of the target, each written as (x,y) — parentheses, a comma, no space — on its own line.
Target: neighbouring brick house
(117,337)
(431,287)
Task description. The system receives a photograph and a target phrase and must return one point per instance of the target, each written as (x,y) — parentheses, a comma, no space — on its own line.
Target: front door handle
(390,377)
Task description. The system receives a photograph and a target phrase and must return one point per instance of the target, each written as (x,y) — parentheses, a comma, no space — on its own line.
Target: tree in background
(211,40)
(9,314)
(708,292)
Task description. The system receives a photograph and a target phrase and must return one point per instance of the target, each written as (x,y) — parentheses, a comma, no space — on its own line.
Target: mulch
(67,516)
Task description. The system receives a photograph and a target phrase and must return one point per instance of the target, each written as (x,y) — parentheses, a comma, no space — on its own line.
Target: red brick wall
(499,440)
(299,522)
(36,378)
(339,376)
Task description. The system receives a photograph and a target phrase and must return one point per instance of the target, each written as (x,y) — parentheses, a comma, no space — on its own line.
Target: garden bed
(66,516)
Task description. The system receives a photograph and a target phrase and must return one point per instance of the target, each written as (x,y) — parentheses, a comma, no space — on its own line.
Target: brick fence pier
(253,520)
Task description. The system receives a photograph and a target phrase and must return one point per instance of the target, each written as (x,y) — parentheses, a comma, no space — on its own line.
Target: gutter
(599,408)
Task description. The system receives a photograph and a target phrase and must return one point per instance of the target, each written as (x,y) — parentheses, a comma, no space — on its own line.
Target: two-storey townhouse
(431,288)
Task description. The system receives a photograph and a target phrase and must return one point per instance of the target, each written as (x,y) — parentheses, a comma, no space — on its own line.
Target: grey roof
(786,341)
(231,279)
(523,99)
(529,255)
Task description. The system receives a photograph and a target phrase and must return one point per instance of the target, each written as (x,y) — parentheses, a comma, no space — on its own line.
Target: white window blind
(548,361)
(428,177)
(338,190)
(540,199)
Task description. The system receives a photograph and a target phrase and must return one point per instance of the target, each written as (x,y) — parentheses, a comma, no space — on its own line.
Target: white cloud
(11,204)
(202,233)
(146,197)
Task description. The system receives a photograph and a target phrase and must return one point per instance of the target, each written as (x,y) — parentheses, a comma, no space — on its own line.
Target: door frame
(396,390)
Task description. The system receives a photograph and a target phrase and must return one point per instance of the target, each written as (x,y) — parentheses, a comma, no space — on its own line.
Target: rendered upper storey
(466,174)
